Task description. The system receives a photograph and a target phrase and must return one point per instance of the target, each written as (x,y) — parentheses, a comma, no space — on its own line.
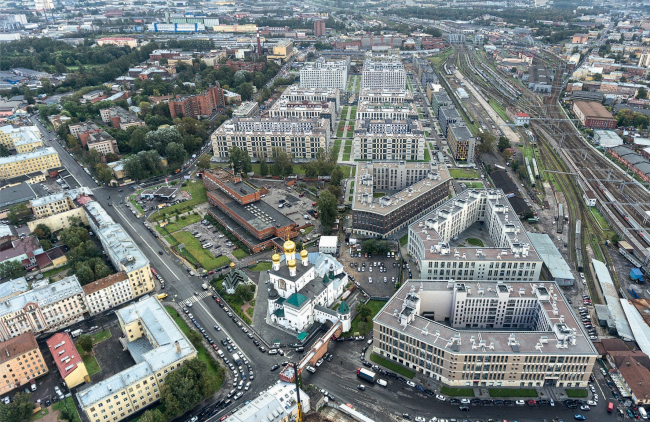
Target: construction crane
(299,415)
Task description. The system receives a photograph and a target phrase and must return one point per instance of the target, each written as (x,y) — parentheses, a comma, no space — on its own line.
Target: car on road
(319,362)
(440,397)
(407,416)
(420,419)
(361,387)
(274,367)
(464,401)
(579,417)
(311,369)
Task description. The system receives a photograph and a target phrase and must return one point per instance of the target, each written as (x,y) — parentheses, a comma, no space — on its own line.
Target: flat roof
(72,194)
(258,214)
(552,258)
(593,109)
(611,298)
(566,335)
(41,152)
(43,293)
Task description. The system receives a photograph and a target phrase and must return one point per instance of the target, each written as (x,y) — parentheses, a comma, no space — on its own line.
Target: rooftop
(593,109)
(258,214)
(272,405)
(43,293)
(552,258)
(17,346)
(72,194)
(105,282)
(64,353)
(41,152)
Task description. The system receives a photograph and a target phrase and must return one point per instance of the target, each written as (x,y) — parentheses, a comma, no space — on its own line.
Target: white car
(319,362)
(188,303)
(520,402)
(311,369)
(464,401)
(591,403)
(420,419)
(440,397)
(410,383)
(247,386)
(370,280)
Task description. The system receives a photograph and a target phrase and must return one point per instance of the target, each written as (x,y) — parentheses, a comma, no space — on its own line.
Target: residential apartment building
(85,127)
(20,361)
(71,367)
(325,74)
(247,109)
(58,202)
(120,118)
(485,334)
(411,190)
(319,28)
(283,108)
(259,135)
(378,111)
(23,139)
(103,143)
(446,116)
(593,115)
(108,292)
(198,106)
(158,347)
(384,72)
(277,403)
(507,255)
(388,139)
(47,307)
(461,142)
(118,41)
(121,249)
(295,93)
(39,160)
(385,96)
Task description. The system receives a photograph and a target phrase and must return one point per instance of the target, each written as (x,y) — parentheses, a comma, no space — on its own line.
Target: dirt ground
(52,416)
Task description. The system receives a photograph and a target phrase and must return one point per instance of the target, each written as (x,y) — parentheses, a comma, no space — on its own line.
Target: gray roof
(11,195)
(272,405)
(72,194)
(551,256)
(12,287)
(41,152)
(258,214)
(162,334)
(611,297)
(42,293)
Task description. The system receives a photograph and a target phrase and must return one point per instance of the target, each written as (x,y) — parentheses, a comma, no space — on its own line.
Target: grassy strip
(395,367)
(376,306)
(346,170)
(203,256)
(514,392)
(457,392)
(92,366)
(180,222)
(463,173)
(196,189)
(599,217)
(38,415)
(101,336)
(261,266)
(55,271)
(170,239)
(427,155)
(233,301)
(239,254)
(135,204)
(404,240)
(475,242)
(202,353)
(499,109)
(68,404)
(577,393)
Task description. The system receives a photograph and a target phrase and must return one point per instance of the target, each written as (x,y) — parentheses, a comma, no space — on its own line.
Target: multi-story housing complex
(103,142)
(284,108)
(507,254)
(121,249)
(325,74)
(388,139)
(120,118)
(461,142)
(485,334)
(39,160)
(47,307)
(386,96)
(84,127)
(593,115)
(411,190)
(247,109)
(386,72)
(240,208)
(375,111)
(57,203)
(439,99)
(319,28)
(259,135)
(23,139)
(158,347)
(108,292)
(67,359)
(199,105)
(295,93)
(20,362)
(446,116)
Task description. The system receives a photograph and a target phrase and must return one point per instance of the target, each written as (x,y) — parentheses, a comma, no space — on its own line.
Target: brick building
(200,105)
(593,115)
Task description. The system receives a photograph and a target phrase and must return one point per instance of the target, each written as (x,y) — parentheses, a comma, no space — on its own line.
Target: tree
(642,94)
(487,142)
(85,341)
(11,269)
(84,274)
(133,167)
(195,338)
(246,91)
(623,79)
(104,173)
(245,292)
(282,165)
(264,168)
(203,163)
(336,176)
(42,231)
(159,139)
(503,143)
(19,410)
(185,387)
(327,212)
(364,311)
(4,152)
(598,77)
(175,153)
(153,415)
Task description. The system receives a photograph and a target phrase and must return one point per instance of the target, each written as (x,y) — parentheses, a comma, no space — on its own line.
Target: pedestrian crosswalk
(196,298)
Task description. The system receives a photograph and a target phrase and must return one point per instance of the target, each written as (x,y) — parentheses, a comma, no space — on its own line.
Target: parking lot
(208,234)
(377,275)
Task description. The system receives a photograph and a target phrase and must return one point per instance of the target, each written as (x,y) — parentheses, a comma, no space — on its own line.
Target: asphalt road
(179,285)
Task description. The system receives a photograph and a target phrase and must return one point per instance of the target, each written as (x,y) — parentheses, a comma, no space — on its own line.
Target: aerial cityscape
(263,211)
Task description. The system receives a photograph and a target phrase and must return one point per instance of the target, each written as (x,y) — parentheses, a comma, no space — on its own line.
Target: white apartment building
(295,93)
(58,202)
(385,72)
(385,96)
(387,139)
(108,292)
(284,108)
(46,307)
(299,138)
(506,255)
(375,111)
(324,74)
(277,403)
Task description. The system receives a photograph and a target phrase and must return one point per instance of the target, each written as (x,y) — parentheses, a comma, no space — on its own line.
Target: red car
(210,272)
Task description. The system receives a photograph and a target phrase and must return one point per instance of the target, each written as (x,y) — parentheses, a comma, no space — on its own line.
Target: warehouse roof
(552,258)
(611,297)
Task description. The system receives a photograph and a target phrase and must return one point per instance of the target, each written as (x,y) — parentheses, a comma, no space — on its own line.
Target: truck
(366,375)
(636,275)
(205,286)
(76,333)
(236,358)
(610,407)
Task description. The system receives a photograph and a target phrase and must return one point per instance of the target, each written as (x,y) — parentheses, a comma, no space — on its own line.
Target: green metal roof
(326,279)
(343,309)
(296,300)
(279,313)
(303,335)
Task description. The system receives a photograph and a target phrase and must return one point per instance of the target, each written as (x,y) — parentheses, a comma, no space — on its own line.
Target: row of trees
(627,117)
(83,255)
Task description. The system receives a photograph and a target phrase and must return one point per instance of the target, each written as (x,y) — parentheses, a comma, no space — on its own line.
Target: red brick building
(200,105)
(593,115)
(319,28)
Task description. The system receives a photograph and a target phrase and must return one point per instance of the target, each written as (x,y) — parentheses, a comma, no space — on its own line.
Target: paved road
(179,284)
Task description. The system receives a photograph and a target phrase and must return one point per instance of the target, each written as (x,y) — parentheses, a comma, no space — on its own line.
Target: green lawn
(393,366)
(577,393)
(201,256)
(378,194)
(261,266)
(499,109)
(427,156)
(172,241)
(474,185)
(513,392)
(463,174)
(135,204)
(599,217)
(202,353)
(375,305)
(92,366)
(67,403)
(199,196)
(475,242)
(233,301)
(457,392)
(404,240)
(239,254)
(101,336)
(38,415)
(50,273)
(346,170)
(184,221)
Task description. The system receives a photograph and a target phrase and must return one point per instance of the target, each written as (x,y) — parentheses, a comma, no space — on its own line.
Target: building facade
(485,334)
(39,160)
(385,96)
(299,138)
(120,118)
(198,106)
(411,189)
(325,74)
(593,115)
(283,108)
(508,256)
(23,139)
(461,142)
(295,93)
(383,73)
(319,28)
(67,359)
(58,202)
(377,111)
(20,362)
(388,139)
(247,109)
(108,292)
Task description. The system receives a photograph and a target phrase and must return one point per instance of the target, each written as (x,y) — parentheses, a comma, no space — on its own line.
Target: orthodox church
(301,295)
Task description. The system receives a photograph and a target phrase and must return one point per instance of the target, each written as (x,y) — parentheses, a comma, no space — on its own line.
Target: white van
(381,382)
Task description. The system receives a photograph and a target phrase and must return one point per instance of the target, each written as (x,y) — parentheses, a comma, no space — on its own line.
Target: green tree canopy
(327,212)
(85,341)
(11,269)
(19,410)
(185,387)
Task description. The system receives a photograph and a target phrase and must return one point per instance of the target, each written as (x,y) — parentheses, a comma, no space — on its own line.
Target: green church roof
(326,279)
(279,313)
(343,309)
(296,300)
